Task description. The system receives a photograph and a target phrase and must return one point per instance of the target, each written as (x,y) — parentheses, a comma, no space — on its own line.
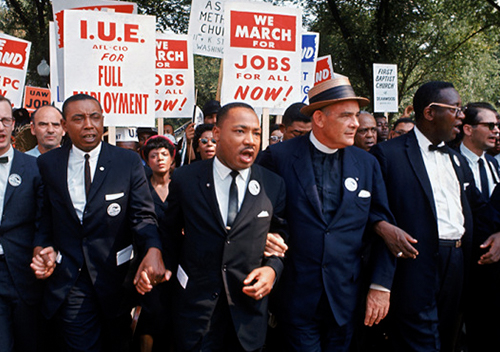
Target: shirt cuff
(379,288)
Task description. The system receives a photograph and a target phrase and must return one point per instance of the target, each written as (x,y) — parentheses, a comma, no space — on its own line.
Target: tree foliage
(428,40)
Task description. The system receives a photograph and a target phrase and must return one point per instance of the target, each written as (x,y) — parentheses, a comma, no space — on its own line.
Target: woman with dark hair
(158,152)
(204,142)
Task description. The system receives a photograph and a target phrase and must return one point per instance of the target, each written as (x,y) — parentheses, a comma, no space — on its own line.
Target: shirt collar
(424,142)
(94,153)
(9,153)
(223,171)
(320,146)
(469,154)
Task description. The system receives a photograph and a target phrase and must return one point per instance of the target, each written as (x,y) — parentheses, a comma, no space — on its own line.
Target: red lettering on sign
(171,54)
(12,53)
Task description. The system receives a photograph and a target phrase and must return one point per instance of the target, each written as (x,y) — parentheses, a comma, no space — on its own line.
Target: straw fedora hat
(329,92)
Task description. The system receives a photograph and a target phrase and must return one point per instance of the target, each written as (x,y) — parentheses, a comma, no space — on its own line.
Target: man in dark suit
(97,215)
(480,130)
(20,209)
(226,207)
(432,195)
(334,193)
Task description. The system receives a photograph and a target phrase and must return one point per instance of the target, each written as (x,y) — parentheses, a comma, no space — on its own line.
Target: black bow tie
(442,149)
(4,160)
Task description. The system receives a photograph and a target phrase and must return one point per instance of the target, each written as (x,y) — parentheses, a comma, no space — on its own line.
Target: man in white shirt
(98,215)
(480,131)
(432,195)
(20,211)
(219,213)
(46,127)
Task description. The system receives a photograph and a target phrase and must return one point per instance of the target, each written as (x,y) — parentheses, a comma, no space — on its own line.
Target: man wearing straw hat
(334,193)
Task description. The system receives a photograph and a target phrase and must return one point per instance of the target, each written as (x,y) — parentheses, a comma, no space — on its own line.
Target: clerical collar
(318,145)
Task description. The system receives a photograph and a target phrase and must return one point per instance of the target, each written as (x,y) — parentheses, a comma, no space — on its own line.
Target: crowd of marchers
(342,235)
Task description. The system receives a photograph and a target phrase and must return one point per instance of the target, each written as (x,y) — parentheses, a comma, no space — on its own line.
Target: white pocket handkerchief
(364,194)
(114,196)
(263,214)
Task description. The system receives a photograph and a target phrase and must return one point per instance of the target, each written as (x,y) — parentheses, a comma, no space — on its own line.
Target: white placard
(55,92)
(111,56)
(385,88)
(206,27)
(310,48)
(262,55)
(174,81)
(14,56)
(58,7)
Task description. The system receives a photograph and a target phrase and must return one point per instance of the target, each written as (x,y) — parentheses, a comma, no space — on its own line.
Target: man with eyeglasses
(401,126)
(20,209)
(480,131)
(432,195)
(366,134)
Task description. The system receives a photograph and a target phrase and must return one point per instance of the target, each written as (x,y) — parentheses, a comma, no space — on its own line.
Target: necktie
(485,189)
(4,160)
(232,209)
(88,180)
(435,147)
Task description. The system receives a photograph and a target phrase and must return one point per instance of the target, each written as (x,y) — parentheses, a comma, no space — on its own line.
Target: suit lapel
(417,163)
(250,199)
(60,171)
(460,176)
(207,188)
(305,174)
(101,170)
(17,168)
(349,171)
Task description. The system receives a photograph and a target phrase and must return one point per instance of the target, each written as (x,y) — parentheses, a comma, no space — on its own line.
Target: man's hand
(275,245)
(262,279)
(377,306)
(43,262)
(493,255)
(151,272)
(398,241)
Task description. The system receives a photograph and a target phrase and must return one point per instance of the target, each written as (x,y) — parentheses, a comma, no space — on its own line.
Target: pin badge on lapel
(254,187)
(15,180)
(101,168)
(114,209)
(455,159)
(351,184)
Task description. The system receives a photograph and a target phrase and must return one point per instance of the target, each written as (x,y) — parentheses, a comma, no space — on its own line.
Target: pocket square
(114,196)
(263,214)
(364,194)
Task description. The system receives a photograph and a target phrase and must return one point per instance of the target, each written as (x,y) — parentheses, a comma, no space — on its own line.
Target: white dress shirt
(34,152)
(76,176)
(4,177)
(473,161)
(222,183)
(445,190)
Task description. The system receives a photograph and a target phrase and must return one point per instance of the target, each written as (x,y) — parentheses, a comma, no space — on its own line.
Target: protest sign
(174,76)
(310,43)
(55,92)
(206,27)
(111,56)
(385,88)
(324,69)
(262,56)
(35,97)
(58,7)
(14,56)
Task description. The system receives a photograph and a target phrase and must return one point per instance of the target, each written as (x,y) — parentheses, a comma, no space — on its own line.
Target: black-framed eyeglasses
(457,109)
(491,125)
(7,121)
(275,138)
(206,140)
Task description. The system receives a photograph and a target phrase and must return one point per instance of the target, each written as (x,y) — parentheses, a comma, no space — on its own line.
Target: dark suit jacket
(326,257)
(412,203)
(216,260)
(21,216)
(118,182)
